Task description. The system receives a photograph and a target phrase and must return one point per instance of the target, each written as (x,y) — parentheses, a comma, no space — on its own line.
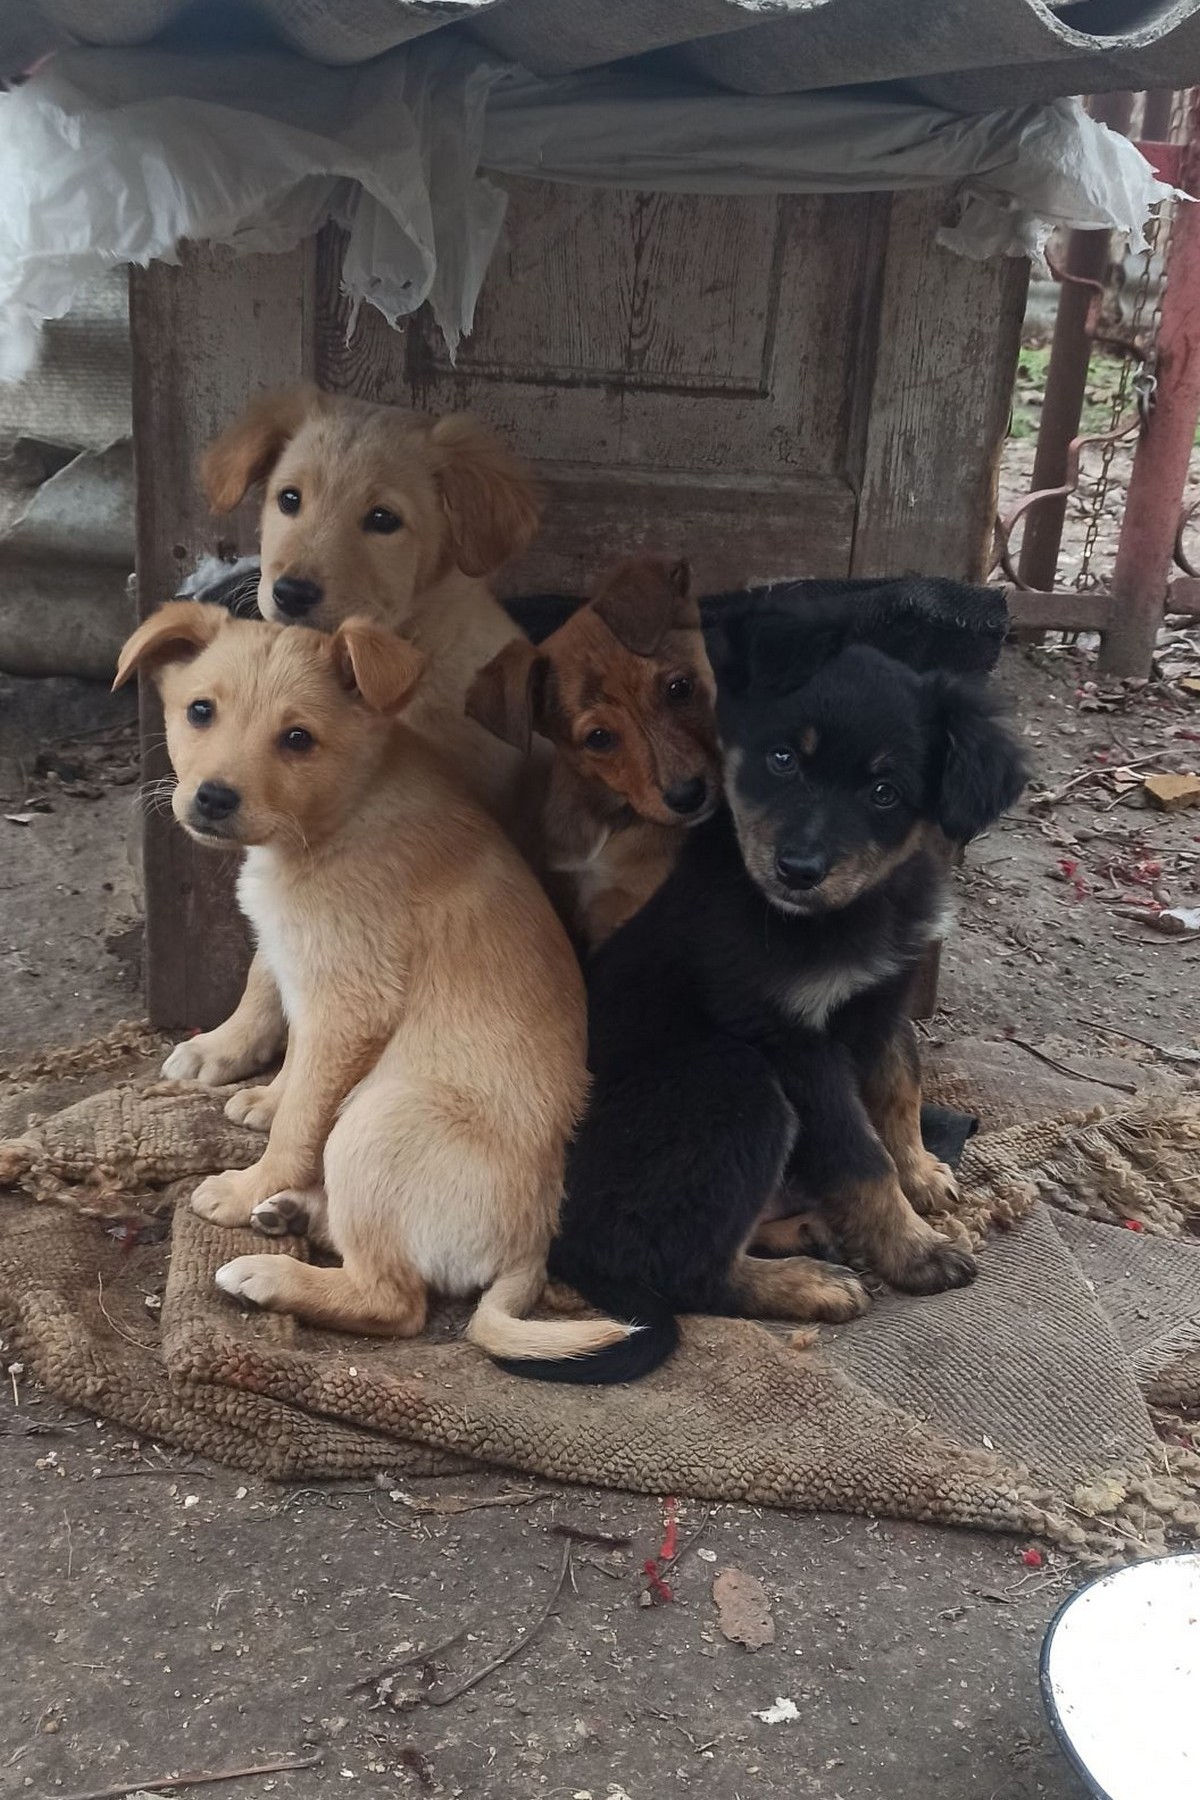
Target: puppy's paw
(839,1296)
(933,1266)
(929,1185)
(253,1106)
(281,1215)
(225,1199)
(209,1059)
(255,1279)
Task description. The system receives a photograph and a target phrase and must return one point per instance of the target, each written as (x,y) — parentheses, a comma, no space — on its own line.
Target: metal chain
(1144,382)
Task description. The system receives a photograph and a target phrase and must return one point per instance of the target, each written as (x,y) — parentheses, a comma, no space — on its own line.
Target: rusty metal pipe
(1066,375)
(1160,462)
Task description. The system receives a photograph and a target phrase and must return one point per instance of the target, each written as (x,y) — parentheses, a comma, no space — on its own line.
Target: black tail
(635,1356)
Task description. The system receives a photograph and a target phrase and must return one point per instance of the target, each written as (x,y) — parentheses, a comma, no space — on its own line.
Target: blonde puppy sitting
(436,1052)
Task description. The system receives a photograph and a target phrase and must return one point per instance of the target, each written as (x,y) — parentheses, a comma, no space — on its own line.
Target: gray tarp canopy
(967,55)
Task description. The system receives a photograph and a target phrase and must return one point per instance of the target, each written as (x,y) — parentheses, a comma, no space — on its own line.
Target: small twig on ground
(138,1343)
(607,1540)
(70,1546)
(1051,1062)
(153,1475)
(34,1427)
(195,1779)
(1053,795)
(1181,1054)
(389,1674)
(689,1544)
(515,1647)
(451,1504)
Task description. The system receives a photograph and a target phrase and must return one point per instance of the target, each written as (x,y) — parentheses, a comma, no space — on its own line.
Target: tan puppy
(373,509)
(435,1065)
(624,692)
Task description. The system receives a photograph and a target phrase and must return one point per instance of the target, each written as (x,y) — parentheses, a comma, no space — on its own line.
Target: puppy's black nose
(801,868)
(294,596)
(216,801)
(687,796)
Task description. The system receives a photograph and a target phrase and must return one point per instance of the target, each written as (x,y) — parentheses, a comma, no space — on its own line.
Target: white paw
(252,1106)
(202,1059)
(249,1278)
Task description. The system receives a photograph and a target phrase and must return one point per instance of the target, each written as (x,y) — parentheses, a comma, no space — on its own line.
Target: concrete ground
(162,1616)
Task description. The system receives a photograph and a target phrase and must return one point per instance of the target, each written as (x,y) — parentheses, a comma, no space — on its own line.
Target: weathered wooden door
(772,386)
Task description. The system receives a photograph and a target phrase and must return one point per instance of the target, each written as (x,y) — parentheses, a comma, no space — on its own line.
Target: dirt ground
(163,1615)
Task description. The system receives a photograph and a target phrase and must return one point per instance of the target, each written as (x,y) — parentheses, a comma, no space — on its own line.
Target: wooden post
(946,359)
(206,335)
(947,342)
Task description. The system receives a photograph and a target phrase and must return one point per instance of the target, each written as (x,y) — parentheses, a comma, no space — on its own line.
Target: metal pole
(1066,376)
(1160,462)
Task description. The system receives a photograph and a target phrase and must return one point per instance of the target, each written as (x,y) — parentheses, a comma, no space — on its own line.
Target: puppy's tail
(625,1352)
(498,1325)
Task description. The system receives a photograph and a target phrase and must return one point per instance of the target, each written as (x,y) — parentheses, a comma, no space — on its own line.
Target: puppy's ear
(769,651)
(641,599)
(376,664)
(983,768)
(488,493)
(506,695)
(172,634)
(247,450)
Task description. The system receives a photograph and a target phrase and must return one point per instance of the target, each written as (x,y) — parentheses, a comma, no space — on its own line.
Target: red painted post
(1066,376)
(1160,463)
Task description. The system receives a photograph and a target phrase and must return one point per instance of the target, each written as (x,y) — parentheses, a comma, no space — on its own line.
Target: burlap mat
(1023,1403)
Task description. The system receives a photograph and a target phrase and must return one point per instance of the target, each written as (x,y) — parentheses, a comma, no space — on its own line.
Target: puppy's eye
(200,712)
(381,520)
(884,795)
(680,689)
(600,740)
(297,739)
(782,760)
(288,501)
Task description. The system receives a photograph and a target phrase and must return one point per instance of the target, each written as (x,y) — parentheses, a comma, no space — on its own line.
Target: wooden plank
(206,335)
(681,369)
(1062,610)
(947,346)
(733,532)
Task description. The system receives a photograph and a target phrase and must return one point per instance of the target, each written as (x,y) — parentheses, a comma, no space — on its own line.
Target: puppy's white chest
(261,898)
(813,998)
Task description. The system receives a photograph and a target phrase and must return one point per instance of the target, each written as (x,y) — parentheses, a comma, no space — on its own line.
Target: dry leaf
(20,818)
(1172,793)
(743,1610)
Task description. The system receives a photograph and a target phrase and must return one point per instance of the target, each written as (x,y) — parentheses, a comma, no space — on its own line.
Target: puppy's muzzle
(801,870)
(687,797)
(294,596)
(213,807)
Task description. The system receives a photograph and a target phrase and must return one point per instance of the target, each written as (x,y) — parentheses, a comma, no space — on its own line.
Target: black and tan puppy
(748,1028)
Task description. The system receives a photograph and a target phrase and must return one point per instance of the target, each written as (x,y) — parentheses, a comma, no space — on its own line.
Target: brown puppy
(435,1065)
(624,692)
(373,509)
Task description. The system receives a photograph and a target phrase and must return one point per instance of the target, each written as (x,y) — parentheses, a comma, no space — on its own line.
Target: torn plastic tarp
(111,157)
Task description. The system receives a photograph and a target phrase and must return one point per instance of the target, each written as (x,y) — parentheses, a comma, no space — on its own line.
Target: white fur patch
(259,898)
(813,1000)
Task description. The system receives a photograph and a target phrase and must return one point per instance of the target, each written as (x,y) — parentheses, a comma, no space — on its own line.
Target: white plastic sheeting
(111,157)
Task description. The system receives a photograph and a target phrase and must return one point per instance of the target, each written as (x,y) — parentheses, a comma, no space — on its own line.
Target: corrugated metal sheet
(970,55)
